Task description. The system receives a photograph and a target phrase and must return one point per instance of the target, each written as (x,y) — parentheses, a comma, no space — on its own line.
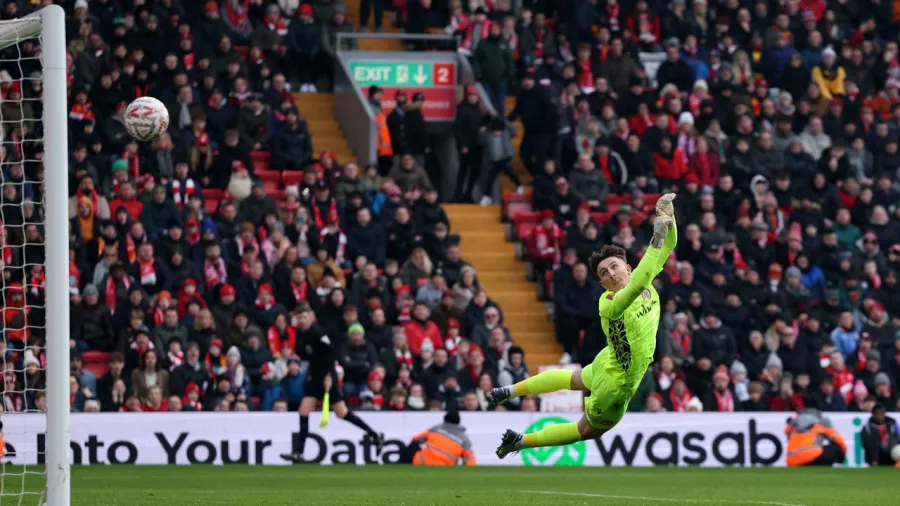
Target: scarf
(134,164)
(141,90)
(403,357)
(214,272)
(37,281)
(452,345)
(317,212)
(277,25)
(237,376)
(241,244)
(175,360)
(300,292)
(472,37)
(82,112)
(684,340)
(264,305)
(215,366)
(74,274)
(281,340)
(342,244)
(585,74)
(147,272)
(193,404)
(181,195)
(112,300)
(724,401)
(679,402)
(612,15)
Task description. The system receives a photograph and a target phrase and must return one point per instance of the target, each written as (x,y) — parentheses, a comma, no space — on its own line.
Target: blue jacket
(845,341)
(778,58)
(814,280)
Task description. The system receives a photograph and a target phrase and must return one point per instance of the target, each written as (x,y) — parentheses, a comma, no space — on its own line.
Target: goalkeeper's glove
(664,205)
(661,226)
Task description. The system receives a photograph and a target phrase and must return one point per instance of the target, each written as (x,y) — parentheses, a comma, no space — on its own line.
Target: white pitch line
(660,499)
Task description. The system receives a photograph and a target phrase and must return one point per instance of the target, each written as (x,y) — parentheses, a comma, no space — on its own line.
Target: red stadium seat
(211,206)
(515,203)
(601,218)
(615,200)
(213,194)
(524,223)
(96,361)
(270,185)
(292,177)
(272,176)
(651,198)
(261,156)
(277,195)
(260,166)
(242,51)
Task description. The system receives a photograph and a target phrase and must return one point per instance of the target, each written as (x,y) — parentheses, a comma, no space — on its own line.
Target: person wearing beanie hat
(446,444)
(237,373)
(316,346)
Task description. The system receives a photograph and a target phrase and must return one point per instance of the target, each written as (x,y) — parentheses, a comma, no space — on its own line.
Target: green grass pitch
(404,485)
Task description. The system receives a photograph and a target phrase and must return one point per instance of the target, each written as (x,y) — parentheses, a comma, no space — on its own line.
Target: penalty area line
(659,499)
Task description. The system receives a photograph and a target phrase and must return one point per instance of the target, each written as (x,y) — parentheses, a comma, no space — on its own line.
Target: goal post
(47,27)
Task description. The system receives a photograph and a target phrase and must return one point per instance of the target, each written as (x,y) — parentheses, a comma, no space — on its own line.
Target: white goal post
(48,26)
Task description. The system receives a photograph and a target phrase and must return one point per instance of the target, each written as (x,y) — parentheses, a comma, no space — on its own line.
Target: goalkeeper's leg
(543,383)
(560,434)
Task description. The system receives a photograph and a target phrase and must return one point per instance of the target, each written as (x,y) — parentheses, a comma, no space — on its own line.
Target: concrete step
(514,299)
(497,278)
(493,262)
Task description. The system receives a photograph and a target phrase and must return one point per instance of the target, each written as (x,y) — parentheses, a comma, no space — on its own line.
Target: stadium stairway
(493,257)
(318,111)
(506,185)
(387,23)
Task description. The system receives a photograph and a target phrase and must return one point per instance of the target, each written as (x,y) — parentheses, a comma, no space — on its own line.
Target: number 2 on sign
(443,75)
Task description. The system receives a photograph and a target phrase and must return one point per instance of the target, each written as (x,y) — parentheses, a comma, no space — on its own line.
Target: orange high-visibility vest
(440,450)
(385,148)
(805,447)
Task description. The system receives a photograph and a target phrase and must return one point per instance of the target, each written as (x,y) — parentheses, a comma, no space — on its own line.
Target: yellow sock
(554,435)
(548,381)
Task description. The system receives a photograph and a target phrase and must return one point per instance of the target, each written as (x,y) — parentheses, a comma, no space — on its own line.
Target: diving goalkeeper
(629,312)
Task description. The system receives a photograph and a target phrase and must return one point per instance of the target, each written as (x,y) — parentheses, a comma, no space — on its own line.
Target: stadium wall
(695,439)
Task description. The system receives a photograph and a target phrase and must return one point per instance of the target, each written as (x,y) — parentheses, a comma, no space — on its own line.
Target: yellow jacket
(830,81)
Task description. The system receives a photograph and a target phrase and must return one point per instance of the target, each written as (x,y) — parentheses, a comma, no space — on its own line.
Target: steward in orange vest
(444,445)
(384,147)
(813,442)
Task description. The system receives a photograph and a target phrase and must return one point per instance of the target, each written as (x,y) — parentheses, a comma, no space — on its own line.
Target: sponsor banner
(701,439)
(440,103)
(562,401)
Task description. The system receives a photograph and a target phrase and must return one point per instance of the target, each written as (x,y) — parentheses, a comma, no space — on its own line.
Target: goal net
(34,261)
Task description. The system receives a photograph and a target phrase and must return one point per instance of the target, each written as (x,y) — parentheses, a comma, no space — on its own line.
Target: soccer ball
(895,454)
(146,119)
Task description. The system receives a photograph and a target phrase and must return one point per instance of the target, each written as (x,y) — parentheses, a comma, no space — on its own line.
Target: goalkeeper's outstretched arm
(661,245)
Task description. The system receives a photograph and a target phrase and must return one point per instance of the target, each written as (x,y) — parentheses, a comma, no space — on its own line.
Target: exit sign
(403,74)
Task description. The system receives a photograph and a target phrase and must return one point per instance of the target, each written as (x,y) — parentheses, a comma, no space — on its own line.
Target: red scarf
(603,161)
(180,197)
(684,340)
(141,90)
(585,74)
(134,164)
(130,249)
(111,299)
(276,25)
(317,213)
(724,401)
(679,403)
(147,272)
(214,273)
(82,112)
(241,245)
(403,357)
(277,342)
(7,256)
(612,12)
(300,292)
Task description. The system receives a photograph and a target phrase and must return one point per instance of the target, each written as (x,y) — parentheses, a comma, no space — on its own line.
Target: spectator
(879,436)
(826,399)
(535,108)
(496,141)
(714,340)
(470,116)
(149,375)
(493,65)
(575,311)
(304,41)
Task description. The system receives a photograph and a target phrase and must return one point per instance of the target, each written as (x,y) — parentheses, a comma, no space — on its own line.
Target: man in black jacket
(367,238)
(535,107)
(418,141)
(191,371)
(315,345)
(879,436)
(576,309)
(469,119)
(396,122)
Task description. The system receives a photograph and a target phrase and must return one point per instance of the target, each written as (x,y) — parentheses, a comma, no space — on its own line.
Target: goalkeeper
(629,312)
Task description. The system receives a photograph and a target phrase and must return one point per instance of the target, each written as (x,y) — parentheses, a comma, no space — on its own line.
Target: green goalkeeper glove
(664,205)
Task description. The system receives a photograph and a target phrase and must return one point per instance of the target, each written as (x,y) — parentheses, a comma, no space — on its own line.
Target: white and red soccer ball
(146,118)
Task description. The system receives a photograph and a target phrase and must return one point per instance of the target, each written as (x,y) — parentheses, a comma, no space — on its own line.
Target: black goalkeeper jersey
(314,345)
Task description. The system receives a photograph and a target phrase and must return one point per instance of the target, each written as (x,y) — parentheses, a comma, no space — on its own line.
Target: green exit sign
(403,74)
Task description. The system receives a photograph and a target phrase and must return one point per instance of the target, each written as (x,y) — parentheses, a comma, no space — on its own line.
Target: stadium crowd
(187,269)
(778,125)
(777,122)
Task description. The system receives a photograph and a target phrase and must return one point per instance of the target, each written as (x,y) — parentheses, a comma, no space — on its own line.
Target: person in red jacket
(543,243)
(704,164)
(670,166)
(419,328)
